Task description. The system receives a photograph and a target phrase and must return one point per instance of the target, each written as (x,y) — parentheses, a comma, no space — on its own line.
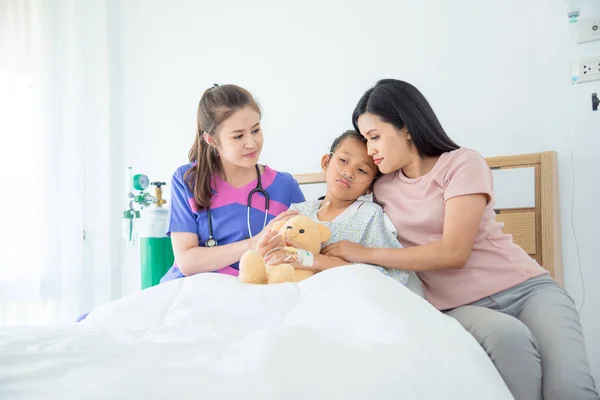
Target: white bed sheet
(346,333)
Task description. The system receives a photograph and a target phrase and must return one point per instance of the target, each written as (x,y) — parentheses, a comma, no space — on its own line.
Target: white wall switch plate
(588,29)
(587,70)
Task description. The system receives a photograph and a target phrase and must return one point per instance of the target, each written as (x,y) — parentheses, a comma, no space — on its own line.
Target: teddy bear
(300,229)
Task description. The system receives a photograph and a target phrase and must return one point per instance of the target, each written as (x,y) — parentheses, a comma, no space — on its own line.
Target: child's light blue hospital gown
(363,222)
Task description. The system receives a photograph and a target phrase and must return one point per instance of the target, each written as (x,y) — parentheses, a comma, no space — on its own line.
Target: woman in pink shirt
(440,198)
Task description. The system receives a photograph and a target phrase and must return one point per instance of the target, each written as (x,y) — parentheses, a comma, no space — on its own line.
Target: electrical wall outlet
(587,70)
(588,29)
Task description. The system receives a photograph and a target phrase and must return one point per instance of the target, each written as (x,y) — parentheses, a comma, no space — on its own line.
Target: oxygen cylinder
(156,252)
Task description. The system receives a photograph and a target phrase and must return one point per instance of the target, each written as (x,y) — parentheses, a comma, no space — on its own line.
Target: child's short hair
(349,134)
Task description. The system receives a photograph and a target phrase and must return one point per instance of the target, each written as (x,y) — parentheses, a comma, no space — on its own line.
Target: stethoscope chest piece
(211,242)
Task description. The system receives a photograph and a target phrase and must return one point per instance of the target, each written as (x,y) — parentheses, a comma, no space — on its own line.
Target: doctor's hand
(268,238)
(346,250)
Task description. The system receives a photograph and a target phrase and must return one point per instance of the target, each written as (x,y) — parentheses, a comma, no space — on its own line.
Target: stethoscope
(212,242)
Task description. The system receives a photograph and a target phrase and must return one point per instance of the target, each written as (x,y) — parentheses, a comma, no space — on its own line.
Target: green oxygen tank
(155,246)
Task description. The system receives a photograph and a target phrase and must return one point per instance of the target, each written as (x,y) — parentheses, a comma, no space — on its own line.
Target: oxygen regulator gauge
(141,182)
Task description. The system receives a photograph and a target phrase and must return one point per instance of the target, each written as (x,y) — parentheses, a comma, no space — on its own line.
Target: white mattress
(346,333)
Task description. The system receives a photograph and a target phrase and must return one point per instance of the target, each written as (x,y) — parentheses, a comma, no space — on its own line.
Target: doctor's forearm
(208,259)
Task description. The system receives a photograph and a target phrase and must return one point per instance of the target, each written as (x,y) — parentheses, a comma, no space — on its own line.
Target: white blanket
(346,333)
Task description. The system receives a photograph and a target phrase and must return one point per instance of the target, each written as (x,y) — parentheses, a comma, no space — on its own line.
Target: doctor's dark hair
(216,105)
(402,105)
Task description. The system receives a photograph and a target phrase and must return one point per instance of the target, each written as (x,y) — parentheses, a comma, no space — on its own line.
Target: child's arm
(379,231)
(322,262)
(289,255)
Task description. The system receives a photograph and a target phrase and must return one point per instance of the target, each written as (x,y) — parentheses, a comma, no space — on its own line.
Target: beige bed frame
(537,229)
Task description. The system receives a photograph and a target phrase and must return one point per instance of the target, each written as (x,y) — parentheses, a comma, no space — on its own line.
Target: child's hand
(281,257)
(346,250)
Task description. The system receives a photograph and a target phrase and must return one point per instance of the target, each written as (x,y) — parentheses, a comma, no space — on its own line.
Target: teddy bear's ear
(324,231)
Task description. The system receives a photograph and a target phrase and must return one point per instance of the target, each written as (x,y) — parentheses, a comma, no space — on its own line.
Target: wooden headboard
(535,228)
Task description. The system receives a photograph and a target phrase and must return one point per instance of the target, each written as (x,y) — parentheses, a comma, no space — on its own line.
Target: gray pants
(533,335)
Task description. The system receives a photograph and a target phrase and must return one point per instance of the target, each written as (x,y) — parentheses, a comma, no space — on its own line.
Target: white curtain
(57,239)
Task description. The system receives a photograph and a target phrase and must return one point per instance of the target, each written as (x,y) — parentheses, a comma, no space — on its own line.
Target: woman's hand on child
(346,250)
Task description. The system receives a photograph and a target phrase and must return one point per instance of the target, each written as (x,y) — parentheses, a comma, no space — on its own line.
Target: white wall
(496,72)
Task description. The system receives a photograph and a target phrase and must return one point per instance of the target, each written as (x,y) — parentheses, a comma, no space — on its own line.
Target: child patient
(349,174)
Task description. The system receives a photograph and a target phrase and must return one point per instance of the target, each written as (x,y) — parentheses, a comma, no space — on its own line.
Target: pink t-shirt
(416,207)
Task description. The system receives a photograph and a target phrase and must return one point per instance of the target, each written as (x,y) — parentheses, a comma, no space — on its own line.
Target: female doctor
(223,202)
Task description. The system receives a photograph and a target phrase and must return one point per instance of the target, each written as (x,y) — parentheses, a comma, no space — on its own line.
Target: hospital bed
(347,333)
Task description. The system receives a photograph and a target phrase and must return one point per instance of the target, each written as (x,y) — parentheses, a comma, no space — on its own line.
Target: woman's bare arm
(461,224)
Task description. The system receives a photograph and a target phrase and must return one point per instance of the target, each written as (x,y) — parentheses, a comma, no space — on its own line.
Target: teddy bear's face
(306,232)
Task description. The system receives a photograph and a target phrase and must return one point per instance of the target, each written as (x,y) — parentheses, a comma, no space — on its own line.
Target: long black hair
(402,105)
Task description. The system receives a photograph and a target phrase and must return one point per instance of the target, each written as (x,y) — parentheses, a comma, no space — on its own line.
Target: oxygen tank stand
(145,221)
(156,248)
